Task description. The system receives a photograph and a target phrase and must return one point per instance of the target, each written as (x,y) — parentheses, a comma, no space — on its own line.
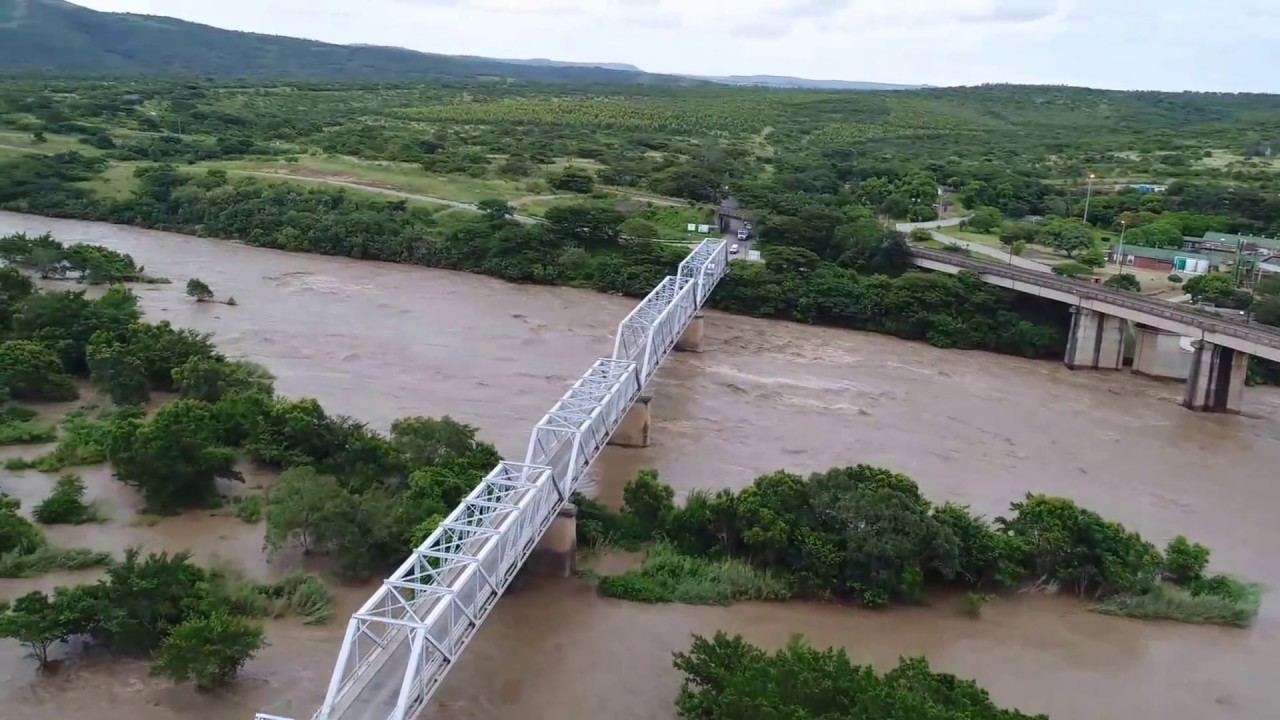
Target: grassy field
(116,181)
(14,140)
(390,175)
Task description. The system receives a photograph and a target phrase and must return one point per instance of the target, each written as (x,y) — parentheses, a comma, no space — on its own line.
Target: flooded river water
(381,341)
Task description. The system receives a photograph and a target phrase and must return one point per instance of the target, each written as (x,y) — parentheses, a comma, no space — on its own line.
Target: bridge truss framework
(441,594)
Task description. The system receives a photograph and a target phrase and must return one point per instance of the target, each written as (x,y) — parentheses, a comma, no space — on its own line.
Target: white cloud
(1170,44)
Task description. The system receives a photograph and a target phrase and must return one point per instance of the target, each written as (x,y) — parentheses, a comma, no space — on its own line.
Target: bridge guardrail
(1202,319)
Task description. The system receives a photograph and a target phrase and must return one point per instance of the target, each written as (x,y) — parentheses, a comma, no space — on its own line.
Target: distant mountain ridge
(54,36)
(786,81)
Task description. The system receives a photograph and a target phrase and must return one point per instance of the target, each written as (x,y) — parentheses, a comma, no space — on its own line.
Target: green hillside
(57,36)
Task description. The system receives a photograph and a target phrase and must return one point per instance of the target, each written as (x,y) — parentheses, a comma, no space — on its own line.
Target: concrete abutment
(1216,379)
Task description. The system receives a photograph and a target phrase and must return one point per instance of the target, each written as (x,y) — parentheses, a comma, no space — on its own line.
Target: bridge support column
(633,431)
(691,339)
(1216,380)
(556,554)
(1161,354)
(1096,341)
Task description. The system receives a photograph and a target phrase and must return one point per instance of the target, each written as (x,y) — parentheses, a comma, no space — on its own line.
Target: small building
(1163,260)
(1229,243)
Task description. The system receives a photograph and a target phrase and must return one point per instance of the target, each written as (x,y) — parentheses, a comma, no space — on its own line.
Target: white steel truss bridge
(407,636)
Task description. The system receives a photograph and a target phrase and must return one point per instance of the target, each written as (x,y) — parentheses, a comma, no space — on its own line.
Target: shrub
(1124,281)
(1071,268)
(208,650)
(66,505)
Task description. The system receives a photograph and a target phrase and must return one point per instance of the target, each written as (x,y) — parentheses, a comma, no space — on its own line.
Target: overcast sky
(1228,45)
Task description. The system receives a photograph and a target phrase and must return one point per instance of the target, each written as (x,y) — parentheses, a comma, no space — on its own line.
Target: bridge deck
(1262,340)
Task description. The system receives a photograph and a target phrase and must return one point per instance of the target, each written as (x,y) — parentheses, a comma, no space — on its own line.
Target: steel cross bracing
(405,638)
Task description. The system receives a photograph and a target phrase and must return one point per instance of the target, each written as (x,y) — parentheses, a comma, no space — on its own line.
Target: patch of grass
(300,594)
(669,577)
(250,509)
(400,176)
(1226,601)
(48,559)
(973,604)
(25,432)
(24,142)
(116,182)
(84,442)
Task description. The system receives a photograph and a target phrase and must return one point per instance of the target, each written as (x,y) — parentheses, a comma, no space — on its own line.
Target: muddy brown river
(381,341)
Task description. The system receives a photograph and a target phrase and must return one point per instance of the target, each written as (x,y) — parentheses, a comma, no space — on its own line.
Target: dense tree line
(857,281)
(867,534)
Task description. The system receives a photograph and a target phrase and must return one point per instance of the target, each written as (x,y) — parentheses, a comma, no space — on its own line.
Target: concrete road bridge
(403,641)
(1208,350)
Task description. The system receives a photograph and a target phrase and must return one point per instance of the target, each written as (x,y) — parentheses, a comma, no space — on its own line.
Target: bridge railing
(1209,321)
(438,597)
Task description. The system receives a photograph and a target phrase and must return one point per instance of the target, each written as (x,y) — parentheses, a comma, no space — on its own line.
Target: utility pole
(1120,255)
(1088,193)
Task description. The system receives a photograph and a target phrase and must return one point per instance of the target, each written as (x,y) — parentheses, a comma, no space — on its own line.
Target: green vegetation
(727,679)
(66,505)
(818,170)
(194,620)
(198,290)
(867,535)
(120,44)
(24,551)
(89,264)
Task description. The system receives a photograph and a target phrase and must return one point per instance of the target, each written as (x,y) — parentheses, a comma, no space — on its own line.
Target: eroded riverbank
(380,341)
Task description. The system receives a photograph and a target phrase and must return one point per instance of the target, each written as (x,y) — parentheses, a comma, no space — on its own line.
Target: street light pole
(1088,193)
(1120,255)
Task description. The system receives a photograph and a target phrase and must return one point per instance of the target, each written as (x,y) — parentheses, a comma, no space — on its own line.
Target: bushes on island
(726,678)
(868,535)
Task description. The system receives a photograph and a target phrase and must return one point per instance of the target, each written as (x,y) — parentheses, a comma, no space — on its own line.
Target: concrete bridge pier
(1096,341)
(691,339)
(1215,382)
(556,554)
(633,431)
(1161,354)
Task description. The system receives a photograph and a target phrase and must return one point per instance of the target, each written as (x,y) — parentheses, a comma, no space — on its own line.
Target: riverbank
(576,246)
(378,341)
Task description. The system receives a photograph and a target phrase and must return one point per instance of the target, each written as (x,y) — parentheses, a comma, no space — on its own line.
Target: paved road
(992,252)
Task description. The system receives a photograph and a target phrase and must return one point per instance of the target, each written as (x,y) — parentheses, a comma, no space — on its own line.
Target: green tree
(175,458)
(1213,287)
(1124,281)
(197,289)
(495,210)
(117,372)
(573,179)
(588,226)
(1068,235)
(36,622)
(306,509)
(208,650)
(32,372)
(985,220)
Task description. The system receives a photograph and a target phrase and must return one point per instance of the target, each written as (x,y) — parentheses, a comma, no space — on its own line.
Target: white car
(733,249)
